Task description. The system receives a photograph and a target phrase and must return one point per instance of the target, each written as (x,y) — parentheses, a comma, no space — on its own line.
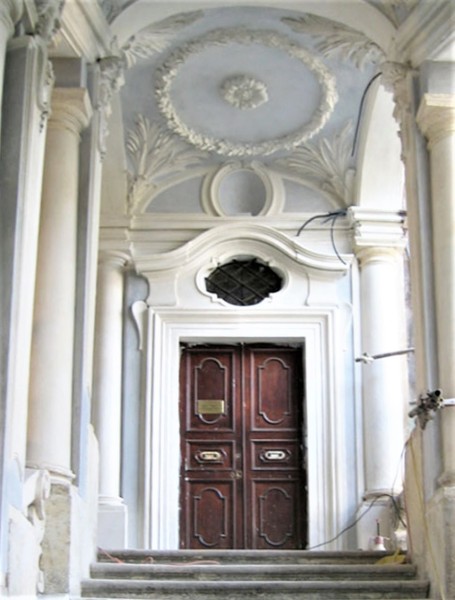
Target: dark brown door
(243,483)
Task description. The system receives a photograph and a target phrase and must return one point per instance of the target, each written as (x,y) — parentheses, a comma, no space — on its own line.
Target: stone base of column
(439,540)
(67,537)
(381,514)
(112,524)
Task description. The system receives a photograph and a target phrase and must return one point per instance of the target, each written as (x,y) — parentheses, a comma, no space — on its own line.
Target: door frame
(319,329)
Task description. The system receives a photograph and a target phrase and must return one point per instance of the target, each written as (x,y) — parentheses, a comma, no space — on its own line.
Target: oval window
(243,282)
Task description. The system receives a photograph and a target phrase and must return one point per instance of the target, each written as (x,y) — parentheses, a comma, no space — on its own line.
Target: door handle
(274,455)
(210,456)
(236,474)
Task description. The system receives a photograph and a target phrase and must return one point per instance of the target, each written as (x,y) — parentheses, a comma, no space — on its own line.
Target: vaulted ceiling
(279,86)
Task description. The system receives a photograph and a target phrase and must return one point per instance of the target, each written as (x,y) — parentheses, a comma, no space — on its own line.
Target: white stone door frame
(315,327)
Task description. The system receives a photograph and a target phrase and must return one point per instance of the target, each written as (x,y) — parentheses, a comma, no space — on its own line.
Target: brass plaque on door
(210,407)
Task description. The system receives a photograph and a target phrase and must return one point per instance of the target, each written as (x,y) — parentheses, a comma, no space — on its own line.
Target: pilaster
(436,119)
(10,13)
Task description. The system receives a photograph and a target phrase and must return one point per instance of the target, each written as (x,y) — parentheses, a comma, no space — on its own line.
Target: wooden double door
(242,479)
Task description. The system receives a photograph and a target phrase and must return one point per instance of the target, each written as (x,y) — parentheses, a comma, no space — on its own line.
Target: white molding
(377,228)
(274,190)
(317,329)
(428,31)
(84,30)
(254,236)
(223,37)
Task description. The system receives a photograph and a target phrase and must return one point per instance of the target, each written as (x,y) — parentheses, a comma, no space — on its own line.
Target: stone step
(245,572)
(272,590)
(240,556)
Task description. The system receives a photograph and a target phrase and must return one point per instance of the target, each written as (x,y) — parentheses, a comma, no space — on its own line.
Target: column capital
(436,117)
(71,109)
(49,12)
(378,254)
(377,229)
(10,13)
(112,259)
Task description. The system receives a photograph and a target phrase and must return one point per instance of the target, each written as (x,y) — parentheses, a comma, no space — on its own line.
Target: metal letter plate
(210,407)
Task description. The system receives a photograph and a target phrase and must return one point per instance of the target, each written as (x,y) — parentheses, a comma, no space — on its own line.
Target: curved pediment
(228,241)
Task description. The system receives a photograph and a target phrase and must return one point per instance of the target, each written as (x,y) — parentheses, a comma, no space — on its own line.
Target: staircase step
(246,572)
(273,590)
(240,556)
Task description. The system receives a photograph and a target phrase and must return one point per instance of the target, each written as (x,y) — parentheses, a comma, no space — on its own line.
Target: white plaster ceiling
(209,86)
(303,92)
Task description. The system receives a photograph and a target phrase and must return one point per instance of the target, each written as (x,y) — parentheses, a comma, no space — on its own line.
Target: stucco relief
(154,154)
(337,39)
(244,92)
(167,74)
(156,38)
(325,163)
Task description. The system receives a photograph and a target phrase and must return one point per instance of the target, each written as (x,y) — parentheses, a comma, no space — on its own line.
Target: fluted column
(436,119)
(10,12)
(49,429)
(107,398)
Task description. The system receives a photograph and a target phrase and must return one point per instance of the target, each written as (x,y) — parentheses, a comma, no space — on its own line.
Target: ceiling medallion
(166,75)
(244,92)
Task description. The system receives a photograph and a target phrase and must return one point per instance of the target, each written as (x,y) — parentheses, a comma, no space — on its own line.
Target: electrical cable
(359,115)
(328,217)
(351,525)
(425,522)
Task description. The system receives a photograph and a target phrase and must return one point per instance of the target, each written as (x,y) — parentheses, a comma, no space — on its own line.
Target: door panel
(241,423)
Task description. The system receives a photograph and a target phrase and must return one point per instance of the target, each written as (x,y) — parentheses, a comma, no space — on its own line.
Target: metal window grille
(243,282)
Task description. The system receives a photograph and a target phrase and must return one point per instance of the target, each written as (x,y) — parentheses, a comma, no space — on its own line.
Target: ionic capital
(436,117)
(71,109)
(10,13)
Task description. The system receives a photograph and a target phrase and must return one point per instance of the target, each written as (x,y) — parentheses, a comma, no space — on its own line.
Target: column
(379,243)
(49,429)
(10,13)
(107,398)
(436,119)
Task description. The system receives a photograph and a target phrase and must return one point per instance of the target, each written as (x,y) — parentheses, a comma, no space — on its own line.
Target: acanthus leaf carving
(155,39)
(155,154)
(337,39)
(325,163)
(395,79)
(111,79)
(49,12)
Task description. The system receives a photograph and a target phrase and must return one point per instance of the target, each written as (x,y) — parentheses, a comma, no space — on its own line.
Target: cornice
(84,30)
(236,235)
(10,13)
(71,109)
(436,117)
(428,30)
(378,230)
